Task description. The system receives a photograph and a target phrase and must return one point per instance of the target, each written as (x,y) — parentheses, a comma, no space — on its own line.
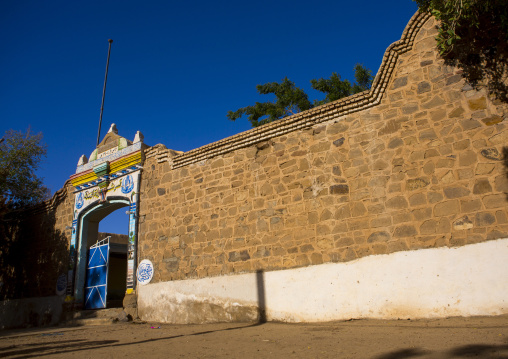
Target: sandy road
(481,337)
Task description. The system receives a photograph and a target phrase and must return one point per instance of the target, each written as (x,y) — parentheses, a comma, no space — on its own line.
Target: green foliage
(460,16)
(20,156)
(335,88)
(473,35)
(291,99)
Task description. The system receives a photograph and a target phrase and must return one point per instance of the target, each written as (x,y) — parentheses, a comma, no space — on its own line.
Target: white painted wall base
(464,281)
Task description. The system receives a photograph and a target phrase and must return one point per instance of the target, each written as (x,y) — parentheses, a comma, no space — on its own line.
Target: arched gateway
(109,180)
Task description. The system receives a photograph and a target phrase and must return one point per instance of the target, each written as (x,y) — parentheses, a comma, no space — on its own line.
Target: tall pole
(104,91)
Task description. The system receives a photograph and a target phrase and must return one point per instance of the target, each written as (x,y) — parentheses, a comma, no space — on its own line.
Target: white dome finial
(113,129)
(138,137)
(82,160)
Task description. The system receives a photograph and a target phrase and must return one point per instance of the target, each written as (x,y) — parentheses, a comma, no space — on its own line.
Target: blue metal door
(96,284)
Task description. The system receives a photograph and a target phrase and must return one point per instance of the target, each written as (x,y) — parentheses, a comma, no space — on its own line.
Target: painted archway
(109,181)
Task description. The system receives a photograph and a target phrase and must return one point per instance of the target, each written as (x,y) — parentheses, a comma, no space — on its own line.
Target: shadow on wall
(260,282)
(505,163)
(32,255)
(482,54)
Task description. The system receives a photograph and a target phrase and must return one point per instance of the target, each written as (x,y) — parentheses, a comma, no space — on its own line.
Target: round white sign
(144,272)
(61,284)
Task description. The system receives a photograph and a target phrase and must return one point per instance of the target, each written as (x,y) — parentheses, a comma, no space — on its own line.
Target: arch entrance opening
(113,280)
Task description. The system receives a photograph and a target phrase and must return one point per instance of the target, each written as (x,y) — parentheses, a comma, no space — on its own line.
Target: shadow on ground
(466,351)
(73,346)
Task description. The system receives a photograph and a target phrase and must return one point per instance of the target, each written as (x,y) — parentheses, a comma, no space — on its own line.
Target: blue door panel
(96,282)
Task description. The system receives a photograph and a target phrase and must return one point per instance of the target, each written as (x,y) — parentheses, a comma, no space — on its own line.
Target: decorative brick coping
(306,119)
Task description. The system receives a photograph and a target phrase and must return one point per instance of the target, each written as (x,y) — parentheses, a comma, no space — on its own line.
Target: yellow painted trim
(125,162)
(84,179)
(114,167)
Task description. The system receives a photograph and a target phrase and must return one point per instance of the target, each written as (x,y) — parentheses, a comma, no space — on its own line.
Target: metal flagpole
(104,91)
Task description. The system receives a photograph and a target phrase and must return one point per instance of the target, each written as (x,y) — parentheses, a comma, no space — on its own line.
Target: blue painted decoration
(80,200)
(145,272)
(127,184)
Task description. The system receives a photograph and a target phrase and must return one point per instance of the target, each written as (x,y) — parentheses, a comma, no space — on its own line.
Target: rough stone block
(467,158)
(477,104)
(358,209)
(492,120)
(238,256)
(410,108)
(482,186)
(416,183)
(500,139)
(381,236)
(495,200)
(470,205)
(456,112)
(405,231)
(434,102)
(398,202)
(381,221)
(456,192)
(501,183)
(395,142)
(447,208)
(399,82)
(469,124)
(484,219)
(339,189)
(418,199)
(462,223)
(302,260)
(423,87)
(491,154)
(453,79)
(428,135)
(392,126)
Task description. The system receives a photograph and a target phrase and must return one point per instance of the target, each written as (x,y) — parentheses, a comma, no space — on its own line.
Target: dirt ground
(481,337)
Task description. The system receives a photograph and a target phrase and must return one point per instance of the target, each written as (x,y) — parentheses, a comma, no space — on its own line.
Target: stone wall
(414,163)
(35,247)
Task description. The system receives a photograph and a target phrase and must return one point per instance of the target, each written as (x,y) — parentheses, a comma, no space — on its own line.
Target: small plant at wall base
(291,99)
(473,35)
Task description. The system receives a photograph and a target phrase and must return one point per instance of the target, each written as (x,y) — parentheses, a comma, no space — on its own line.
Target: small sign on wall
(61,284)
(145,272)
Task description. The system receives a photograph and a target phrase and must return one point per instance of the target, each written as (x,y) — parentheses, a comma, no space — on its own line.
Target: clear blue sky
(176,67)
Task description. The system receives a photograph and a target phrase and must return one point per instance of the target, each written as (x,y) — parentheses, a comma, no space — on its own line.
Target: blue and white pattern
(145,272)
(79,201)
(127,184)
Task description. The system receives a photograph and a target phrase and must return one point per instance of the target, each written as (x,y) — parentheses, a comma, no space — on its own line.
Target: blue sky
(176,68)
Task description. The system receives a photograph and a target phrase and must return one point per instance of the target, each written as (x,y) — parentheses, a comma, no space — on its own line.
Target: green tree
(291,99)
(335,88)
(473,35)
(20,157)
